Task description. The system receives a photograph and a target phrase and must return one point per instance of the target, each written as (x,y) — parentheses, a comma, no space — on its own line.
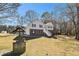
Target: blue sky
(38,7)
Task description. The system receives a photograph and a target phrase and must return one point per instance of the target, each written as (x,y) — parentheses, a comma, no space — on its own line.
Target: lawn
(6,42)
(65,46)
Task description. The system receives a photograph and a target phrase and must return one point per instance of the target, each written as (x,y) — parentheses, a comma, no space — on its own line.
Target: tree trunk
(77,27)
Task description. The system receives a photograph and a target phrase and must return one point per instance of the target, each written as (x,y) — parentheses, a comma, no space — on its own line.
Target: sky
(37,7)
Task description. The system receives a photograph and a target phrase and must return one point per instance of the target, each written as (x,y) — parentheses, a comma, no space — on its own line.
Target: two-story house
(39,28)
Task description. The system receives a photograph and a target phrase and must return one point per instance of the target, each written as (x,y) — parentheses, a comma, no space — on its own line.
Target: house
(39,28)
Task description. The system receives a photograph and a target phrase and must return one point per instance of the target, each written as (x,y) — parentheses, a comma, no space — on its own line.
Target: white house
(39,28)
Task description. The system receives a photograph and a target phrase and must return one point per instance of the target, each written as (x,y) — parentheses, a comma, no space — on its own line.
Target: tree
(60,18)
(31,15)
(71,13)
(8,10)
(21,20)
(77,27)
(49,17)
(70,29)
(46,16)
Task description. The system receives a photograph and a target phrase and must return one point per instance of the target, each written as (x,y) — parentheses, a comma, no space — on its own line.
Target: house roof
(48,21)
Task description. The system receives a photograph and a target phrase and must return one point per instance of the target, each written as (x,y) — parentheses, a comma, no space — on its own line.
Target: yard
(49,46)
(43,46)
(6,42)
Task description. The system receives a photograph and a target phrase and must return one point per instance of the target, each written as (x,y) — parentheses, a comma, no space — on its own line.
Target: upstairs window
(33,25)
(40,26)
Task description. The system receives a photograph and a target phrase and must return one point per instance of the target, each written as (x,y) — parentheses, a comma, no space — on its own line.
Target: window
(40,26)
(49,26)
(33,25)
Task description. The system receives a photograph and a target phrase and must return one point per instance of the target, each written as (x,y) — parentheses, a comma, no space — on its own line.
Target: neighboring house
(39,28)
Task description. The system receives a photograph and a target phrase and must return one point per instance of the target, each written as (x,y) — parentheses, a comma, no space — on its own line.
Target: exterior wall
(38,31)
(29,26)
(48,26)
(52,32)
(27,29)
(38,23)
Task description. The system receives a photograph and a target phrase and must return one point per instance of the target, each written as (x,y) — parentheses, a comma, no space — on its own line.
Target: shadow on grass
(18,47)
(30,38)
(36,37)
(12,54)
(19,41)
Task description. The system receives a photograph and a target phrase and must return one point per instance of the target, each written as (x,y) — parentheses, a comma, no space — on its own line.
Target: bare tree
(60,18)
(8,10)
(71,13)
(31,15)
(46,16)
(77,26)
(21,20)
